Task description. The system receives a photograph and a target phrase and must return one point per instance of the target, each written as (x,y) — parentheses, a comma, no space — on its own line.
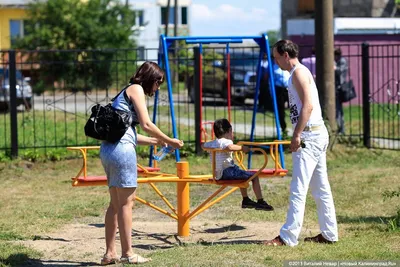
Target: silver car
(24,90)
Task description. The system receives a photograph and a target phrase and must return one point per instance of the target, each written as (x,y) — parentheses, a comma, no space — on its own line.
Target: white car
(24,90)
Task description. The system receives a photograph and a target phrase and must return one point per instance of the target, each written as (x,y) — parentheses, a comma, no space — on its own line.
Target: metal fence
(50,109)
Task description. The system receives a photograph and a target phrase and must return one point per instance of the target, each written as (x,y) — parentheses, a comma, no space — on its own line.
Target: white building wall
(149,34)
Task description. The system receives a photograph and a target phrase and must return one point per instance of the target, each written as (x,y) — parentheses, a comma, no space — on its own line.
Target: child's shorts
(235,173)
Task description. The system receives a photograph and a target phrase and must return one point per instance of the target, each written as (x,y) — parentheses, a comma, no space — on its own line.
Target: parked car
(24,90)
(243,78)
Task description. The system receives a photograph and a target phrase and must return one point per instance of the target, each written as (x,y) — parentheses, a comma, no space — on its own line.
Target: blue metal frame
(163,62)
(165,43)
(263,42)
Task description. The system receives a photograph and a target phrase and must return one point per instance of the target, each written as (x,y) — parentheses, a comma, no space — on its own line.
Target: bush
(394,223)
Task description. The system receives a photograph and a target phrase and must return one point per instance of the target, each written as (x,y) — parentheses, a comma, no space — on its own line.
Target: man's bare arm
(302,82)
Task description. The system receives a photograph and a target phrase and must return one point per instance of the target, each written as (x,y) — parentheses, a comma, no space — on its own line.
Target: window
(164,15)
(16,30)
(139,18)
(140,15)
(184,15)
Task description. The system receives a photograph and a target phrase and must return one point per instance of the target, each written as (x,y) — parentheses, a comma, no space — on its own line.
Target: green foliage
(273,37)
(75,24)
(388,194)
(393,223)
(41,155)
(4,156)
(81,26)
(30,155)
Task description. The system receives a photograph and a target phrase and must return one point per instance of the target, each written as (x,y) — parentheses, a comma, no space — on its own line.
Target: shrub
(394,223)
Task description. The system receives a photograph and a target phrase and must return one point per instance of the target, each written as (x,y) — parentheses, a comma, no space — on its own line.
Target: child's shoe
(263,205)
(247,203)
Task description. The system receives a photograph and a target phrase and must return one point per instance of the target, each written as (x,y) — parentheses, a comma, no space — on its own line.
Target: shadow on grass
(230,242)
(22,259)
(228,228)
(163,238)
(170,241)
(38,237)
(97,225)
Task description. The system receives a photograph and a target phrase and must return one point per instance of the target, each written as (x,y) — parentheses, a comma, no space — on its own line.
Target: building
(150,23)
(12,15)
(304,9)
(376,22)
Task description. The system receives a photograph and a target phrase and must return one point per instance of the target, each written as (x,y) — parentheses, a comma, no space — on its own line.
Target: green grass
(36,198)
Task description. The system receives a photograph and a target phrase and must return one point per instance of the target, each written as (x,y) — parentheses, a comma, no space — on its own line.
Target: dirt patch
(83,244)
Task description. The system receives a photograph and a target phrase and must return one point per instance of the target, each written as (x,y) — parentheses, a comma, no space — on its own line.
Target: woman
(120,162)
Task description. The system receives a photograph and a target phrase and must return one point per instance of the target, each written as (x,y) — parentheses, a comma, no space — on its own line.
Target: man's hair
(288,46)
(221,127)
(338,52)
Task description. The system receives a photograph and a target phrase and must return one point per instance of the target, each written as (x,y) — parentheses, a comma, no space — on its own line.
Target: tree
(59,25)
(273,37)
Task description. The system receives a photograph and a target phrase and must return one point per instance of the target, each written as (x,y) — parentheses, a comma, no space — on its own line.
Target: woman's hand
(161,143)
(176,143)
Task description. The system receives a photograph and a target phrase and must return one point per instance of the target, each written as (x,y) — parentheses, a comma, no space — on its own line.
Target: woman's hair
(148,74)
(288,46)
(221,127)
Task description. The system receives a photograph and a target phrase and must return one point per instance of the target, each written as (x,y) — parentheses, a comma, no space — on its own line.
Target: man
(308,145)
(264,96)
(341,69)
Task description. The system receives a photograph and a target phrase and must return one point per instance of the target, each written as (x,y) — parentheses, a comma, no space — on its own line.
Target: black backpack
(107,123)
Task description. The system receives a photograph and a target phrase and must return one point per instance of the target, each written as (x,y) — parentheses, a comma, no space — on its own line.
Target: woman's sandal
(134,259)
(108,261)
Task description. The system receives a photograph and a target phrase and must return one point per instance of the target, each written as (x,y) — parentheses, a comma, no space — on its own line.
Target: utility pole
(176,44)
(167,17)
(325,59)
(176,18)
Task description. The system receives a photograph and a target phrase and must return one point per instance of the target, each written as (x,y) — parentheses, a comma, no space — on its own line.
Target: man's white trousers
(309,170)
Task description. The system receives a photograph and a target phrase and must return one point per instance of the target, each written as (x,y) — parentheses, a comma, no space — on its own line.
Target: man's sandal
(134,259)
(106,260)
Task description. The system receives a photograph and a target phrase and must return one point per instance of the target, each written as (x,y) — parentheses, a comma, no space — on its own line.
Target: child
(226,169)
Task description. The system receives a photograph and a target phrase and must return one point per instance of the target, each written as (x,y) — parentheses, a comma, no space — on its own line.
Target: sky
(234,17)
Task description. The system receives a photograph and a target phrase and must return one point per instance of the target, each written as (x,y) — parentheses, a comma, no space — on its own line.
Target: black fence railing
(49,109)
